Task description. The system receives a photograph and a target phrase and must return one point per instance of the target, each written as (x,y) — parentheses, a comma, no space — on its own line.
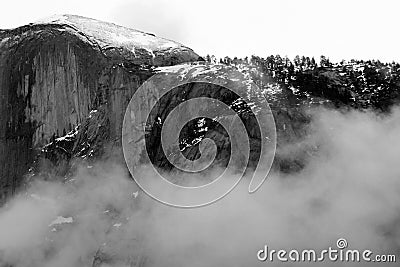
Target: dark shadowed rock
(53,73)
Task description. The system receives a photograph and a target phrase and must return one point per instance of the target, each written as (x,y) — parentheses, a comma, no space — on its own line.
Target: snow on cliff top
(112,35)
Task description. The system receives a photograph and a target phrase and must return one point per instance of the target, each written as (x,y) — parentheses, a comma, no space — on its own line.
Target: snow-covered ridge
(111,35)
(111,40)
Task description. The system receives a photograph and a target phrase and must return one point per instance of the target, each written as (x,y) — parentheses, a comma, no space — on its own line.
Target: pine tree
(313,64)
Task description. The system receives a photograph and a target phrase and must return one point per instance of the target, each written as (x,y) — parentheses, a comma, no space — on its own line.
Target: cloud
(349,189)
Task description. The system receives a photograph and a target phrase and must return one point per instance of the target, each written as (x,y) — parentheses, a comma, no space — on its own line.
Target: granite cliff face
(57,73)
(65,83)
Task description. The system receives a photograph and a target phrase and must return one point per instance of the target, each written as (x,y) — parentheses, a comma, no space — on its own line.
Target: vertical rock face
(54,72)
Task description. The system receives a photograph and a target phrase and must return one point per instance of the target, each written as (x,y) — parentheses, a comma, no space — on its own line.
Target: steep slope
(54,72)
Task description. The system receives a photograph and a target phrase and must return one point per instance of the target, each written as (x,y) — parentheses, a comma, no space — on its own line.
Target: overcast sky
(339,29)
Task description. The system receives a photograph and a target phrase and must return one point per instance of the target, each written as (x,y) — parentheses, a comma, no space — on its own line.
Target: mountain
(55,72)
(66,81)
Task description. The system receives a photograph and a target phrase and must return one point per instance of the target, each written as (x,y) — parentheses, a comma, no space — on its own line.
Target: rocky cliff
(60,72)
